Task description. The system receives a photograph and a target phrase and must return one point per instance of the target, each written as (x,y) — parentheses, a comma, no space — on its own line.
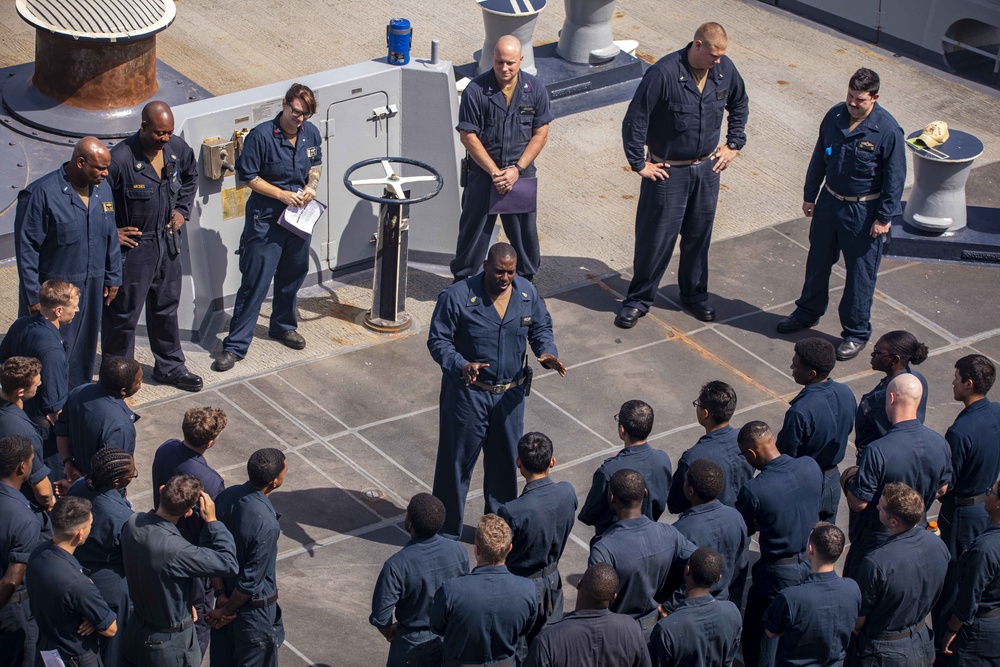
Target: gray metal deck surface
(366,419)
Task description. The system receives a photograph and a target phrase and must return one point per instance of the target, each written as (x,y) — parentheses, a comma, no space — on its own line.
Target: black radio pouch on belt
(463,178)
(528,374)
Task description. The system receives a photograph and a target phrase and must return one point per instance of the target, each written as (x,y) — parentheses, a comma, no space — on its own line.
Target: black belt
(152,235)
(262,602)
(180,627)
(903,634)
(544,572)
(973,500)
(506,662)
(992,613)
(655,159)
(788,560)
(498,389)
(649,620)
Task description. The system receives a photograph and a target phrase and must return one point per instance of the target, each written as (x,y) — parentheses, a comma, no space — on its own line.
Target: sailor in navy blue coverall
(503,122)
(974,439)
(820,418)
(852,193)
(408,581)
(65,228)
(972,634)
(153,177)
(677,114)
(482,359)
(282,161)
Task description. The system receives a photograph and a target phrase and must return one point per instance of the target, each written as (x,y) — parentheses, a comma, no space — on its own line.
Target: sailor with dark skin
(65,229)
(153,176)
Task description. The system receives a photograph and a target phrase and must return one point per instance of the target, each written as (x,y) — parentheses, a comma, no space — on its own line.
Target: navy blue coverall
(818,424)
(974,439)
(253,639)
(20,534)
(466,328)
(94,419)
(483,616)
(719,446)
(101,556)
(871,421)
(701,631)
(649,558)
(815,620)
(900,581)
(57,237)
(782,504)
(719,527)
(652,463)
(540,521)
(909,453)
(868,160)
(677,122)
(268,250)
(34,336)
(407,584)
(977,603)
(61,597)
(13,421)
(151,271)
(174,458)
(159,565)
(590,638)
(504,131)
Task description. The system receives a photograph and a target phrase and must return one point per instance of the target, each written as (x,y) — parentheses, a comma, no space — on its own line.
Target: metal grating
(105,20)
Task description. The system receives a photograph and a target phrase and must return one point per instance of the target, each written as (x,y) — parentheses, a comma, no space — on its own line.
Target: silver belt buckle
(498,389)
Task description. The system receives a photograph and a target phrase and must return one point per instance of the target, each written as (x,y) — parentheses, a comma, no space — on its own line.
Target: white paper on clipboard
(52,658)
(300,221)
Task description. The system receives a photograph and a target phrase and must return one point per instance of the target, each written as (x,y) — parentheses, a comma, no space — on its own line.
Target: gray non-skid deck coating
(360,427)
(357,412)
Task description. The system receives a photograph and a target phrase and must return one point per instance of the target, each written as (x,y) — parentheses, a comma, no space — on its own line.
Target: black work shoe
(849,349)
(627,317)
(702,310)
(224,362)
(291,338)
(186,382)
(791,325)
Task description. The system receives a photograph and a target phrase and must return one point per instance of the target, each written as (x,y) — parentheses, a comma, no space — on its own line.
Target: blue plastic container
(398,36)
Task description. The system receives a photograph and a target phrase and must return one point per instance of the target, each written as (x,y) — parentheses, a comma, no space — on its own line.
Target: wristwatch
(732,146)
(520,169)
(69,459)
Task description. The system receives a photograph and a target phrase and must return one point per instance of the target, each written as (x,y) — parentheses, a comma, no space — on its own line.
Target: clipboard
(522,198)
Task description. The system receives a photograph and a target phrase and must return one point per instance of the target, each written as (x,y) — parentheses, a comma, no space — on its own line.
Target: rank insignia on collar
(173,157)
(524,294)
(527,86)
(109,206)
(138,166)
(472,299)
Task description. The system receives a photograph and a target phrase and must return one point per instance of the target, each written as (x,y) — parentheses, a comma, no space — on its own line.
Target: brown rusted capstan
(96,54)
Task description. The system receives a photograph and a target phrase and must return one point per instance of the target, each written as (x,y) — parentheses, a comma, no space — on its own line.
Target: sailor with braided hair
(111,471)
